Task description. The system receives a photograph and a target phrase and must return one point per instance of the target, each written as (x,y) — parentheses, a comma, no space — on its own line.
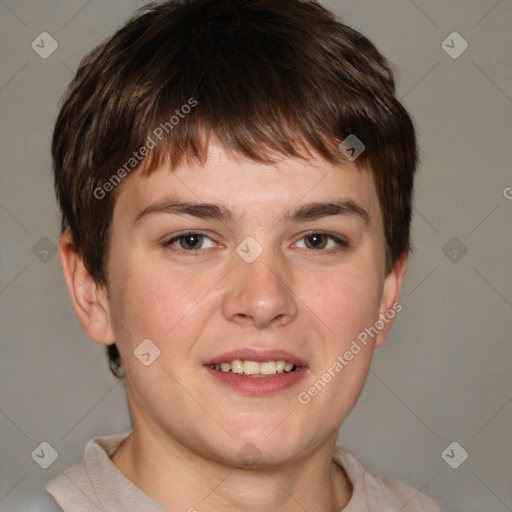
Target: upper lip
(260,356)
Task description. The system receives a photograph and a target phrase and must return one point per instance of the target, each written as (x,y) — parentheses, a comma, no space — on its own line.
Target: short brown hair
(262,76)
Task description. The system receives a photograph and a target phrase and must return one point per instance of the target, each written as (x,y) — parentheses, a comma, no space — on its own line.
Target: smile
(255,368)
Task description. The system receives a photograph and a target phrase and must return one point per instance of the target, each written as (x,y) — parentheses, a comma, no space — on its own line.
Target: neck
(179,476)
(180,479)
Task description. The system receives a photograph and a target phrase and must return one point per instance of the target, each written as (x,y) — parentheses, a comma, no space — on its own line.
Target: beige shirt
(95,484)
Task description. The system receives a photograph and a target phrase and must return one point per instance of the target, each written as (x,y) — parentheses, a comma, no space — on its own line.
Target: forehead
(252,188)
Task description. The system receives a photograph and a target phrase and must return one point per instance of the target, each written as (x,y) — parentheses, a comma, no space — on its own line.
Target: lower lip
(259,386)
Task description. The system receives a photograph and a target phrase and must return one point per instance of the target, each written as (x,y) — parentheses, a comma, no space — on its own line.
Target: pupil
(191,240)
(318,239)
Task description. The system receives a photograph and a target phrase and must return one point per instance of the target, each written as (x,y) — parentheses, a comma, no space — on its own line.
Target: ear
(89,299)
(390,306)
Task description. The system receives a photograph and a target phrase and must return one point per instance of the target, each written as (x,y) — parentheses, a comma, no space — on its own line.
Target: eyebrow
(301,213)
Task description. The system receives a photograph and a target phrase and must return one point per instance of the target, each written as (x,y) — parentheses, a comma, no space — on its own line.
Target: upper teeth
(253,367)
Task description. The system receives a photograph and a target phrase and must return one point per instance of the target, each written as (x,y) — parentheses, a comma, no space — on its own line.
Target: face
(260,265)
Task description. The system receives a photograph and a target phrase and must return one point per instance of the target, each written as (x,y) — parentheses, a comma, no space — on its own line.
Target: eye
(192,241)
(320,241)
(188,242)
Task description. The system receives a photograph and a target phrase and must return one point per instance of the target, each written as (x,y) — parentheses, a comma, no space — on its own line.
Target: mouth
(255,368)
(257,372)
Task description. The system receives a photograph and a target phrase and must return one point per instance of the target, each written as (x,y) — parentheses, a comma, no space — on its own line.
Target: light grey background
(444,373)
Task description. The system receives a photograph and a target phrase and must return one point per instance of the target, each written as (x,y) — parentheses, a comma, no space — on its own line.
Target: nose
(260,292)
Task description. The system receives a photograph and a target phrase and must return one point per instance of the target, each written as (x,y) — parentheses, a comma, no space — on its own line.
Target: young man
(235,180)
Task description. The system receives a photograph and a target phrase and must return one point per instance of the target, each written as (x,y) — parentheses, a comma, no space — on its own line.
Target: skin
(187,426)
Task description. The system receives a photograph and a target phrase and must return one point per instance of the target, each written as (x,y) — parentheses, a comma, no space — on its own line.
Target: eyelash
(342,244)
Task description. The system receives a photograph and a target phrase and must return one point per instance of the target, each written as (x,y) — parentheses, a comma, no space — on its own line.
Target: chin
(263,447)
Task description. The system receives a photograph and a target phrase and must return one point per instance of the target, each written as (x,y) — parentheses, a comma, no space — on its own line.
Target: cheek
(150,302)
(346,301)
(141,305)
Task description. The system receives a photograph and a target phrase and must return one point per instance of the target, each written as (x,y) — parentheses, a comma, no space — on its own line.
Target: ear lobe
(389,305)
(89,299)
